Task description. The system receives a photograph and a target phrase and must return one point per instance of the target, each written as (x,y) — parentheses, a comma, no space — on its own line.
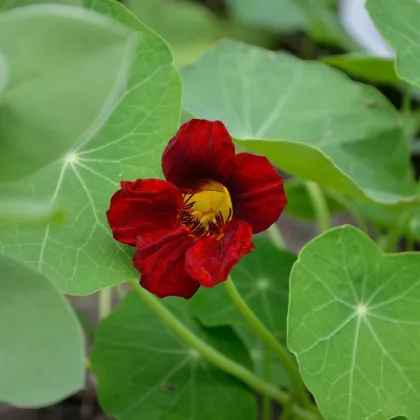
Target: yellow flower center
(207,208)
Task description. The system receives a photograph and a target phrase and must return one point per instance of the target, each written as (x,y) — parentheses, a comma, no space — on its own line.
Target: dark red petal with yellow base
(143,206)
(256,190)
(201,149)
(160,257)
(210,260)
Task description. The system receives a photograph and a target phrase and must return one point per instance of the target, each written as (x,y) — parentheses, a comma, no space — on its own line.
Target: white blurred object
(357,22)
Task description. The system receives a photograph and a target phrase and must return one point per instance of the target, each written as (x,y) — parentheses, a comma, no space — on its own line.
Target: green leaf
(82,257)
(365,67)
(25,210)
(145,371)
(324,26)
(397,21)
(276,15)
(307,118)
(299,204)
(354,326)
(189,28)
(86,62)
(11,4)
(4,73)
(262,280)
(41,352)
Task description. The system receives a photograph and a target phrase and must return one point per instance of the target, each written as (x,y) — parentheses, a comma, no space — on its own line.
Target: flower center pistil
(207,208)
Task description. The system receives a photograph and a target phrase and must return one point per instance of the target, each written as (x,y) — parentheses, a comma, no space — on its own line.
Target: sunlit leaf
(354,326)
(82,257)
(365,67)
(145,371)
(41,351)
(262,279)
(86,62)
(397,21)
(307,118)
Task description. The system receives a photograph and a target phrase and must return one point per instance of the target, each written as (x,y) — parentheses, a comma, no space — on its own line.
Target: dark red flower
(192,229)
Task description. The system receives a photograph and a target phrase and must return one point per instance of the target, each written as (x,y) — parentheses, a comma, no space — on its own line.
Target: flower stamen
(210,210)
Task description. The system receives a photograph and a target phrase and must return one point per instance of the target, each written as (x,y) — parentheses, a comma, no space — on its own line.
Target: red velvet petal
(143,206)
(160,257)
(210,261)
(201,149)
(256,190)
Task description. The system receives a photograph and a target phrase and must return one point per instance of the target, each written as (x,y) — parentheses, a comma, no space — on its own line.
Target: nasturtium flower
(190,230)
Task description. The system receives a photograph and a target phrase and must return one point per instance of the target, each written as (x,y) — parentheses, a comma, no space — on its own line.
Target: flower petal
(143,206)
(201,149)
(256,191)
(210,260)
(160,257)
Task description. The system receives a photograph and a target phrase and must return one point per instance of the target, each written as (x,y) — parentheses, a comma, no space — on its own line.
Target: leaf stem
(390,242)
(266,400)
(214,356)
(105,302)
(276,237)
(320,206)
(261,330)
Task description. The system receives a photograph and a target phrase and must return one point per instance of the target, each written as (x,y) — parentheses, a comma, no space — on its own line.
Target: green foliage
(262,280)
(89,56)
(398,23)
(312,122)
(144,371)
(128,146)
(365,67)
(276,15)
(20,209)
(189,28)
(299,204)
(41,350)
(354,325)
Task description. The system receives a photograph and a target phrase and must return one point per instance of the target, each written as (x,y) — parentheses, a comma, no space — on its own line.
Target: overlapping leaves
(145,371)
(309,119)
(82,257)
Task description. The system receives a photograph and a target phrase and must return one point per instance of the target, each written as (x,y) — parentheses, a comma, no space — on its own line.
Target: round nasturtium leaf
(262,279)
(87,62)
(82,257)
(41,342)
(145,371)
(306,117)
(354,325)
(398,23)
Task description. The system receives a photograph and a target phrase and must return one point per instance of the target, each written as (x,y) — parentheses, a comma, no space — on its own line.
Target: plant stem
(276,237)
(105,302)
(214,356)
(319,204)
(266,400)
(410,244)
(287,412)
(353,208)
(270,340)
(391,240)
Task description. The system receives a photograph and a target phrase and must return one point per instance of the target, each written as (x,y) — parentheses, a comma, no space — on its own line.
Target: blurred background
(310,29)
